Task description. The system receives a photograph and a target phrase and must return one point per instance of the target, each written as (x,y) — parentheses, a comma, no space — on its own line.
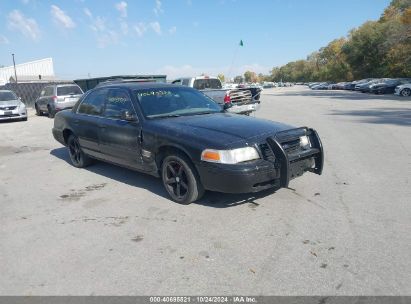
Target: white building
(29,71)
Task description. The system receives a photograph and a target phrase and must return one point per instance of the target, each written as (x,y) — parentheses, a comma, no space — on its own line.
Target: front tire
(78,158)
(406,92)
(180,179)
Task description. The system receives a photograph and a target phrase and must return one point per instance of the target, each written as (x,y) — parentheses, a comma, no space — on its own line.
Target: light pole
(15,73)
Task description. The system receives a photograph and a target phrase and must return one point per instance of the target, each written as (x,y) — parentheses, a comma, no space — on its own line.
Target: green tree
(250,76)
(238,79)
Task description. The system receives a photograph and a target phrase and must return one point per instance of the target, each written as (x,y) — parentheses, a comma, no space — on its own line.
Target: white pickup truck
(240,101)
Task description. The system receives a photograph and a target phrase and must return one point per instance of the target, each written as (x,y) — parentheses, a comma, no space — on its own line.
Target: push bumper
(266,173)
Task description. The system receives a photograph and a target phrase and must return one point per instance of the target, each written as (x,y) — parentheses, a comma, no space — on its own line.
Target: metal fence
(29,91)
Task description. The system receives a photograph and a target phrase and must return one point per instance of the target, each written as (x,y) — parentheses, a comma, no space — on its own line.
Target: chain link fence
(30,91)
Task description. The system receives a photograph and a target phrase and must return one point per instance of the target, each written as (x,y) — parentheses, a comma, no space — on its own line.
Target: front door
(120,138)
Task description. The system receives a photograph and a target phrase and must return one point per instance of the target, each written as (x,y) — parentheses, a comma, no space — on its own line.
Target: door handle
(102,127)
(76,122)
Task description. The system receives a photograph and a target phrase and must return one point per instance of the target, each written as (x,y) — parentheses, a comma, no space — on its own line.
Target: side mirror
(127,115)
(19,98)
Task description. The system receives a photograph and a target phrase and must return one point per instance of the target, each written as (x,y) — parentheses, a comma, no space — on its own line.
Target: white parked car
(403,90)
(11,107)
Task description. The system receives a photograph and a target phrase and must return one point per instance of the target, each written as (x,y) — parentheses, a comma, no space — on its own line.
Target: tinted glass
(117,102)
(69,90)
(48,91)
(7,96)
(201,84)
(185,82)
(93,103)
(161,102)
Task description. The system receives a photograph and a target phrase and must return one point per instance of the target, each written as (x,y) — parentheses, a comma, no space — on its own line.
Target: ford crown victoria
(184,137)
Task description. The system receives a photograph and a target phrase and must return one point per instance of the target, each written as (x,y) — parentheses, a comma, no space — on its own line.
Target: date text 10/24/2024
(204,299)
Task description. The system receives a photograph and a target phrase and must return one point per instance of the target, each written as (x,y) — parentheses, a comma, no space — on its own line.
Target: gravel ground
(105,230)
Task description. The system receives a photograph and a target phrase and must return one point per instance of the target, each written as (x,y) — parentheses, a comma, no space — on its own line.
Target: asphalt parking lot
(105,230)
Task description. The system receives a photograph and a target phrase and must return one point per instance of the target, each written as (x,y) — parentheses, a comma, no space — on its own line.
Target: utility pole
(15,73)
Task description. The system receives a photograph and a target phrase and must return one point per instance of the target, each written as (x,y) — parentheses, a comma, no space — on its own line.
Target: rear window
(201,84)
(68,90)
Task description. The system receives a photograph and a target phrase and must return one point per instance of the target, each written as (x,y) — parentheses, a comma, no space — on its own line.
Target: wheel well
(167,150)
(66,134)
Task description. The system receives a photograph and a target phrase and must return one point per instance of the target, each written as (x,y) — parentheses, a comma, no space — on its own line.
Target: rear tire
(51,112)
(38,112)
(180,179)
(78,158)
(406,92)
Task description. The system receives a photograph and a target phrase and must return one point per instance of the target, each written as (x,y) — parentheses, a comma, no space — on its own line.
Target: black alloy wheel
(77,156)
(181,180)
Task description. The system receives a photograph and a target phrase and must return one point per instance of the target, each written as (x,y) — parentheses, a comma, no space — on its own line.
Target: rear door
(120,138)
(87,121)
(45,97)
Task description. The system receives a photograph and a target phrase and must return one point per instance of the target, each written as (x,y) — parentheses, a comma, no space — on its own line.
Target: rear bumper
(245,108)
(264,174)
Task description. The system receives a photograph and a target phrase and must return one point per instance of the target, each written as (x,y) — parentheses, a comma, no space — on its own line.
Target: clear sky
(173,37)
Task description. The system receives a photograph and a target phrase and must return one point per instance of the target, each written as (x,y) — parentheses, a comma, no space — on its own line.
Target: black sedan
(179,134)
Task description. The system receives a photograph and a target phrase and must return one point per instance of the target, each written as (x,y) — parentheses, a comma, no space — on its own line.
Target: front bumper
(275,171)
(13,114)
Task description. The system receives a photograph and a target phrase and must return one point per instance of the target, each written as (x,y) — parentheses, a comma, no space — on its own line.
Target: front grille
(240,96)
(8,108)
(291,146)
(10,115)
(266,152)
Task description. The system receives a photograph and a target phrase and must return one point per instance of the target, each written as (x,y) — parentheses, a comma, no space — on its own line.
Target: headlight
(305,142)
(230,156)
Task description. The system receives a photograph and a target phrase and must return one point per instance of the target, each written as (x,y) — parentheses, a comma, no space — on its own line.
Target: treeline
(376,49)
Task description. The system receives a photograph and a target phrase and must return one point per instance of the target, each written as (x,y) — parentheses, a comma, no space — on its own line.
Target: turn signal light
(210,156)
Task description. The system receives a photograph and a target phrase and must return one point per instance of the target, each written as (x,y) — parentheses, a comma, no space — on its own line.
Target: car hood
(11,103)
(220,128)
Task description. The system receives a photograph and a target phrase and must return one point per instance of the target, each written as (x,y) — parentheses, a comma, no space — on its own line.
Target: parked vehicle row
(397,86)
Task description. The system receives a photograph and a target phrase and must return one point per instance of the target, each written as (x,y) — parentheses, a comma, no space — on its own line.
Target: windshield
(7,96)
(166,102)
(69,90)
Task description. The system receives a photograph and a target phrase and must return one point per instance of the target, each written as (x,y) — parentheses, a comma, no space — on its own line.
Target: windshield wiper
(166,116)
(203,113)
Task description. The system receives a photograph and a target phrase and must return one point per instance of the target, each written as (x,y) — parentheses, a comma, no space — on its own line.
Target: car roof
(141,85)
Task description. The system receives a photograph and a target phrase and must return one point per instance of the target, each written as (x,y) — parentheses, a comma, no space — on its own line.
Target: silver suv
(58,97)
